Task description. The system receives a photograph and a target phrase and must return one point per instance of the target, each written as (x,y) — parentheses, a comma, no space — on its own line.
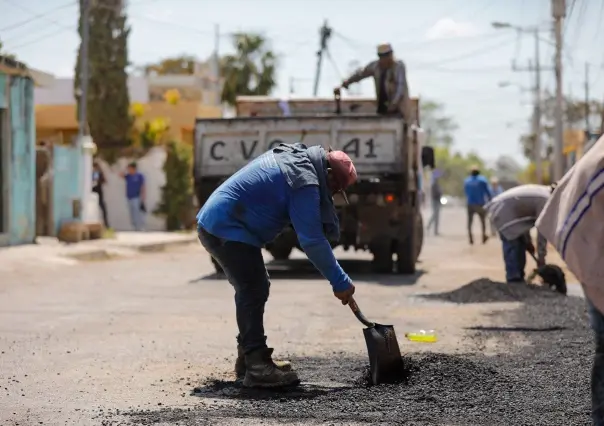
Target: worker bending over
(290,184)
(513,214)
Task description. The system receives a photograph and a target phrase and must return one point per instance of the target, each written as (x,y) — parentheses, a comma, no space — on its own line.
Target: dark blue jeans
(244,267)
(514,257)
(597,372)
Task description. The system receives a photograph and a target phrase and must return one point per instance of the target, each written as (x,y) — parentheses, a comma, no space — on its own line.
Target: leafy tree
(251,70)
(108,99)
(455,167)
(181,65)
(4,53)
(506,168)
(440,128)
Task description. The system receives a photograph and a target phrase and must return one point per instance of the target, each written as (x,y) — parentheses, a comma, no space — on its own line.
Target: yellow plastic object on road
(422,336)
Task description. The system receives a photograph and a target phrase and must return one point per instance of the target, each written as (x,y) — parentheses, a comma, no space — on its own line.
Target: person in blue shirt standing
(290,184)
(478,193)
(135,195)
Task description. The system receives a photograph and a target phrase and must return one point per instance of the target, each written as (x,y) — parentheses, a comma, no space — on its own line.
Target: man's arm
(143,189)
(401,85)
(541,249)
(305,215)
(361,74)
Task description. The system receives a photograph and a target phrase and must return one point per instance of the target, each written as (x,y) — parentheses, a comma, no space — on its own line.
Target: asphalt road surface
(150,340)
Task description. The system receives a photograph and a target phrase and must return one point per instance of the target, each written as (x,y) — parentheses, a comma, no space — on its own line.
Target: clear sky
(453,55)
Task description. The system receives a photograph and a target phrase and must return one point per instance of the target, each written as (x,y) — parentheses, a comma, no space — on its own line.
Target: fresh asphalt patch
(544,383)
(484,290)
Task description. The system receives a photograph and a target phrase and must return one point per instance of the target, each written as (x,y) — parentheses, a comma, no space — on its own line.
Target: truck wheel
(407,248)
(419,236)
(217,266)
(280,252)
(382,258)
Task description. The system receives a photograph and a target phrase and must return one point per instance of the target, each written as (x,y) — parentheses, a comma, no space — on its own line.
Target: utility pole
(83,118)
(291,85)
(325,33)
(216,70)
(558,13)
(537,111)
(587,109)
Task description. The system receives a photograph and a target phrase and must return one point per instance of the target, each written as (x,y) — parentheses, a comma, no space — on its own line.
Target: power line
(36,40)
(36,15)
(472,53)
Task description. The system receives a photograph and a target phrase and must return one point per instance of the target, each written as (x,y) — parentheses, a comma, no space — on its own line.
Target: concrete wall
(115,190)
(18,162)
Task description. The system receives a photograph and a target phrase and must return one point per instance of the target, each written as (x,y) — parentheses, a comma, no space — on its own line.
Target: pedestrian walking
(135,195)
(435,201)
(290,184)
(476,188)
(98,180)
(573,222)
(513,214)
(496,189)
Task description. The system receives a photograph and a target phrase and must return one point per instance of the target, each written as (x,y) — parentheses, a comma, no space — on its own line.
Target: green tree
(455,167)
(251,70)
(4,53)
(440,128)
(181,65)
(108,99)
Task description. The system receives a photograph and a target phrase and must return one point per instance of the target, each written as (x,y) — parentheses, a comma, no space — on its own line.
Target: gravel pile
(484,290)
(546,383)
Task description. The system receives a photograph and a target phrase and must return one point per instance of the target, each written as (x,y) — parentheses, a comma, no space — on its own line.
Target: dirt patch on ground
(484,290)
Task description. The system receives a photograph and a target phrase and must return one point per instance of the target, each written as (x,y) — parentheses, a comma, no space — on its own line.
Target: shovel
(385,362)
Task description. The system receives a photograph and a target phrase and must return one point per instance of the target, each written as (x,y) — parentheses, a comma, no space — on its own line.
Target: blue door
(66,181)
(22,204)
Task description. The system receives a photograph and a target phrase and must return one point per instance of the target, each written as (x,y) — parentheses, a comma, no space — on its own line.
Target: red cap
(343,169)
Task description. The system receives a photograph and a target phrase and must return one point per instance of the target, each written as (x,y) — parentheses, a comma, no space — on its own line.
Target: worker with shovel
(513,214)
(573,222)
(290,184)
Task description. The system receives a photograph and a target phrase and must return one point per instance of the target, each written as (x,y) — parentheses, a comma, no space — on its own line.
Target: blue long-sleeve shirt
(477,190)
(256,203)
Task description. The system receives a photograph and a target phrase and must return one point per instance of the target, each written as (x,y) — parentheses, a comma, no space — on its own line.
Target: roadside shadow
(517,329)
(303,269)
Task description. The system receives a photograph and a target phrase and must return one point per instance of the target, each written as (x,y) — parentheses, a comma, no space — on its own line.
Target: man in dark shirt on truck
(290,184)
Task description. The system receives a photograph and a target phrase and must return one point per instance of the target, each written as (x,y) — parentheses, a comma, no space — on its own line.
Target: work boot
(240,364)
(261,371)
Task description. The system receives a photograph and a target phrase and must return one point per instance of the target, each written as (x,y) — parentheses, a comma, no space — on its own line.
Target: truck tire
(280,252)
(382,257)
(407,248)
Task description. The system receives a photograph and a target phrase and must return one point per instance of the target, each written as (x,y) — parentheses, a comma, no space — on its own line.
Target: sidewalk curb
(116,251)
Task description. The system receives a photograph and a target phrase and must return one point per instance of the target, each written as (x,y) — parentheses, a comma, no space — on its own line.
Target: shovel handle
(357,313)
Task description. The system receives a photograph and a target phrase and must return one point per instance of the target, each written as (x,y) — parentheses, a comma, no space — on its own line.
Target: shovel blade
(385,362)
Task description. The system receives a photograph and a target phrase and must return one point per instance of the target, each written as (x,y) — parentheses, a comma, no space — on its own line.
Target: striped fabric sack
(573,222)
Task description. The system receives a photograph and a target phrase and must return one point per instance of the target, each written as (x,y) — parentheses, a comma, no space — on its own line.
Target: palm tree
(250,71)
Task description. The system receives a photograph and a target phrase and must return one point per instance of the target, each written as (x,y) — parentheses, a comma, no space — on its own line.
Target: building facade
(17,153)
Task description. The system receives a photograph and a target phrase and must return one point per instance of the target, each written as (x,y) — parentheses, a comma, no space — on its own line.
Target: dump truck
(383,215)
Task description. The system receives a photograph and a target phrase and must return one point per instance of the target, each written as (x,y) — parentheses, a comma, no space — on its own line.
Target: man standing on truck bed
(288,184)
(390,78)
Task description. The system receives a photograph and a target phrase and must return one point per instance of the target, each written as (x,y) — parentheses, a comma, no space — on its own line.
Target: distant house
(56,108)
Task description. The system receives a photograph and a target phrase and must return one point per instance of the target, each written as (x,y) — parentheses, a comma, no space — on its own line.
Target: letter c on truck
(213,151)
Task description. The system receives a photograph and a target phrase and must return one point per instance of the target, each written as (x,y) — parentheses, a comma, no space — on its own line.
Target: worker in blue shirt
(290,184)
(478,193)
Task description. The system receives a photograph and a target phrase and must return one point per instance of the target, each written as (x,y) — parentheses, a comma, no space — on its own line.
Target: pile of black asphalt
(545,381)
